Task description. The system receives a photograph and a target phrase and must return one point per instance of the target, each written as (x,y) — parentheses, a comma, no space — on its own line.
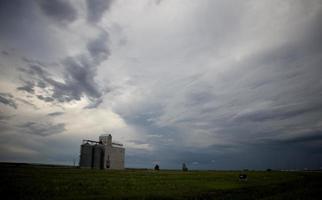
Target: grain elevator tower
(102,154)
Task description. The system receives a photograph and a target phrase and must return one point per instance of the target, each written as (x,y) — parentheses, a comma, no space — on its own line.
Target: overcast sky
(218,84)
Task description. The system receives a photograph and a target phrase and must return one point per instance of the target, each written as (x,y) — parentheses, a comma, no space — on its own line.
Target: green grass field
(44,182)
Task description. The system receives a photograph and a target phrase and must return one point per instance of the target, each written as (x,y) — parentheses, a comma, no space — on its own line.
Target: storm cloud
(55,114)
(96,9)
(78,75)
(59,10)
(7,99)
(42,129)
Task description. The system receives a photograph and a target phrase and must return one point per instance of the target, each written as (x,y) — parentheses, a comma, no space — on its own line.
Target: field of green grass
(45,182)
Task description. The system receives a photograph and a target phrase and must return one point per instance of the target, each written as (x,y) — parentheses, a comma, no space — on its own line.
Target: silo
(98,156)
(117,158)
(85,160)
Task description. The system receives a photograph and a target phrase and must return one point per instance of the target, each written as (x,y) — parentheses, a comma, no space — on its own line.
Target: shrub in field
(156,167)
(184,167)
(242,177)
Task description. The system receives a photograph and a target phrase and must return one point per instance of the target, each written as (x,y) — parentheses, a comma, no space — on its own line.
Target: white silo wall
(117,158)
(85,160)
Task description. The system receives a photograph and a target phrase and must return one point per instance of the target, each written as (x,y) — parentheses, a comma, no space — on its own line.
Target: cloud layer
(214,84)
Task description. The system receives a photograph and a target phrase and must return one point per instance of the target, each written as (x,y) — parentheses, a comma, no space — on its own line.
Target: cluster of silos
(102,154)
(92,156)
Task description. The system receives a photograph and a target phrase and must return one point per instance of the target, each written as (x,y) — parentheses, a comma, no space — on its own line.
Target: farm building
(102,154)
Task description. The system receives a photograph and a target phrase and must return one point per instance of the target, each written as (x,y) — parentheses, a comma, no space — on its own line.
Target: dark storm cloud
(96,9)
(42,129)
(316,137)
(54,114)
(98,48)
(16,6)
(94,104)
(8,99)
(37,69)
(78,75)
(26,29)
(59,10)
(310,138)
(172,156)
(10,13)
(46,99)
(286,112)
(296,152)
(28,87)
(79,78)
(6,53)
(276,154)
(41,84)
(78,81)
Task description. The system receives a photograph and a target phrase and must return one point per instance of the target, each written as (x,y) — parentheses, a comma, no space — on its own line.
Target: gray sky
(216,84)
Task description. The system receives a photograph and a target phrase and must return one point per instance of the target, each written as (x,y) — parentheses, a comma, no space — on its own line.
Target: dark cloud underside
(78,76)
(53,114)
(96,9)
(59,10)
(42,129)
(7,99)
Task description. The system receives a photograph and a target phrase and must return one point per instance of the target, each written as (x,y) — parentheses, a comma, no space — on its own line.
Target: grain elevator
(102,154)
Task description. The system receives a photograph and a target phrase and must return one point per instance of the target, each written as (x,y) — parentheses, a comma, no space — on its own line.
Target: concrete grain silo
(102,154)
(86,155)
(98,156)
(117,157)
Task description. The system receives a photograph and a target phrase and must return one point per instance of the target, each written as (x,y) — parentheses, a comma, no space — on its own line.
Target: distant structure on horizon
(102,154)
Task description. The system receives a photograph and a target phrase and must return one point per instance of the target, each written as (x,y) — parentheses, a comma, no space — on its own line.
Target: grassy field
(45,182)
